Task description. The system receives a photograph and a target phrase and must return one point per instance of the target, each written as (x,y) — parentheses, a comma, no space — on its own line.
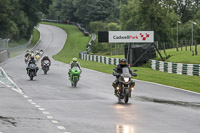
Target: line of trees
(19,17)
(160,16)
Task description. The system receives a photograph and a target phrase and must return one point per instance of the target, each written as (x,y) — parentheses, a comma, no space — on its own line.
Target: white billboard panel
(131,36)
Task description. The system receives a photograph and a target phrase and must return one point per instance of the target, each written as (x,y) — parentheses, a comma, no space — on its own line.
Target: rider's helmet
(46,57)
(123,62)
(32,57)
(74,59)
(27,51)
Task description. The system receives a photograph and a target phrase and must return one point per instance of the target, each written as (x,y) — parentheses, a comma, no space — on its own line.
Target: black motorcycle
(32,68)
(46,65)
(126,85)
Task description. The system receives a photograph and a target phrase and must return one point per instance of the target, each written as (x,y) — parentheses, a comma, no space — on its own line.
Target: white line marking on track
(25,96)
(50,117)
(42,109)
(17,89)
(37,106)
(1,132)
(33,103)
(30,100)
(46,113)
(54,121)
(61,127)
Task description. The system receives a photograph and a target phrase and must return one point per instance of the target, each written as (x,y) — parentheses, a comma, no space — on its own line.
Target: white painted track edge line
(18,89)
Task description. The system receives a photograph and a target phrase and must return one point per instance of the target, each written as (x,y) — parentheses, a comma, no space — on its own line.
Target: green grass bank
(35,39)
(182,56)
(77,42)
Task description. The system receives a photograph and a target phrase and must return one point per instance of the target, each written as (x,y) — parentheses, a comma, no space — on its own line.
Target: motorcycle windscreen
(125,72)
(76,68)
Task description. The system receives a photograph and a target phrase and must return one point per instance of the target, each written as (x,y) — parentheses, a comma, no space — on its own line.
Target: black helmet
(123,62)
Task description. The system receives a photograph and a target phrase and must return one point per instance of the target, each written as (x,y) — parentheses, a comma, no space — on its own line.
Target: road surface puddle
(163,101)
(124,129)
(8,120)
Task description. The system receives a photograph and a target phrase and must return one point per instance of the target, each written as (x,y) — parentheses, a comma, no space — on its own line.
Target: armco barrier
(3,55)
(178,68)
(100,59)
(20,47)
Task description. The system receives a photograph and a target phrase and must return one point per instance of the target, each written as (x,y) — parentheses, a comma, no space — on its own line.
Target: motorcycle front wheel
(126,96)
(75,81)
(31,75)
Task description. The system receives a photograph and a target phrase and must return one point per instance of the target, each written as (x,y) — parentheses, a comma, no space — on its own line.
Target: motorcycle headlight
(126,79)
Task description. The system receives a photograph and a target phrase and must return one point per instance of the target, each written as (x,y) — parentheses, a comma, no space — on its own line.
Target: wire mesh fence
(4,44)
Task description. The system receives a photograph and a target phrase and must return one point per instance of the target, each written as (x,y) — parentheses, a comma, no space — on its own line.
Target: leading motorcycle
(31,70)
(75,76)
(126,85)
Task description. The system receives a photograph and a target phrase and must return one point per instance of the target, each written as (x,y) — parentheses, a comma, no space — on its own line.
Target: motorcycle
(37,57)
(45,66)
(126,85)
(32,71)
(41,53)
(75,76)
(27,59)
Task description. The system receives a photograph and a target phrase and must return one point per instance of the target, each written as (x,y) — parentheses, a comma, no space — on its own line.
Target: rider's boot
(114,86)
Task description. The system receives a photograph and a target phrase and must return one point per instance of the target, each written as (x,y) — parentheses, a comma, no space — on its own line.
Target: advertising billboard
(131,36)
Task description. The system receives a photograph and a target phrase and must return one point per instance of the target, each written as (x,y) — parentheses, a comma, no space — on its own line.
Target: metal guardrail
(12,49)
(178,68)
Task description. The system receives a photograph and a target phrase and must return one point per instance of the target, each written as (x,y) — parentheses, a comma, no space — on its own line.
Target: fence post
(196,47)
(185,45)
(176,46)
(181,45)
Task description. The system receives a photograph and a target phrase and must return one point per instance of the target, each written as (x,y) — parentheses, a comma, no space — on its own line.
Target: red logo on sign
(144,37)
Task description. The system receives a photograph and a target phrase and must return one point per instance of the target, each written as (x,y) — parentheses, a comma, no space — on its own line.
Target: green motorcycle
(75,76)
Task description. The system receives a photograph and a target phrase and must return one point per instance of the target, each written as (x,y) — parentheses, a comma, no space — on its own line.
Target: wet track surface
(91,107)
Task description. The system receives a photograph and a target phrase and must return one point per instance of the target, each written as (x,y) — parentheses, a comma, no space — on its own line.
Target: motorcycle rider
(74,63)
(27,53)
(32,61)
(41,52)
(118,69)
(45,58)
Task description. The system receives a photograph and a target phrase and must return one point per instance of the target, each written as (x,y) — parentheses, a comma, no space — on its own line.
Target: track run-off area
(49,104)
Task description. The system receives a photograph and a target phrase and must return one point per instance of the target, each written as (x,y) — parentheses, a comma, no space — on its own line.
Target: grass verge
(77,42)
(12,44)
(182,56)
(36,37)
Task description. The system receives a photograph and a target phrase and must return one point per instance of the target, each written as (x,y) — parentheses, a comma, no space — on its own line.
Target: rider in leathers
(32,61)
(74,63)
(118,69)
(45,58)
